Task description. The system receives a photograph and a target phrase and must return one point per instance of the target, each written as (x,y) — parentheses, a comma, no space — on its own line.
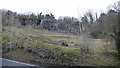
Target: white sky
(74,8)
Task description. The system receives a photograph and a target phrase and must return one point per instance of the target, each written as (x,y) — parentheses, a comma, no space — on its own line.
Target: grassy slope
(94,52)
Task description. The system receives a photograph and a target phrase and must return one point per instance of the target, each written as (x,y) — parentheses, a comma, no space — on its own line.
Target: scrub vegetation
(45,41)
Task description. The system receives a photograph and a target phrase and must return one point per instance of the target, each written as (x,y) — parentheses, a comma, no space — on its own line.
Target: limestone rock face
(9,18)
(48,22)
(60,27)
(5,49)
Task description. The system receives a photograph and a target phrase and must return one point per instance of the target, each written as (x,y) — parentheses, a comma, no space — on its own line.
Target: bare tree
(116,7)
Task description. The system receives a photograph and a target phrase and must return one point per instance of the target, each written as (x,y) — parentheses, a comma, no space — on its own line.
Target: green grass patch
(32,35)
(5,28)
(115,54)
(5,39)
(64,54)
(59,36)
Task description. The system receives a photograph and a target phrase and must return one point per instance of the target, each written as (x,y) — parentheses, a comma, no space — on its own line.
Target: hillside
(42,47)
(45,41)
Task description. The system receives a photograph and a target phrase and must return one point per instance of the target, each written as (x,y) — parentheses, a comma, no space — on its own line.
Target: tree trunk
(117,39)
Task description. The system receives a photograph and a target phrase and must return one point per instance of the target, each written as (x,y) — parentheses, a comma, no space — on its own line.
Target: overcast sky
(75,8)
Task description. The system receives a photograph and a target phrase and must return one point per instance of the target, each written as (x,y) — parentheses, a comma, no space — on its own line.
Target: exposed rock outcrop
(43,21)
